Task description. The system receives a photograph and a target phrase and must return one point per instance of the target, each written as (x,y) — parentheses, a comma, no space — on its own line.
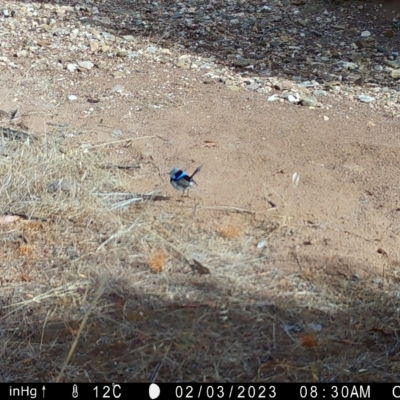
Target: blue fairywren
(181,180)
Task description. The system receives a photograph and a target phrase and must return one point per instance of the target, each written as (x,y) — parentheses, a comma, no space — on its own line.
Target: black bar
(201,391)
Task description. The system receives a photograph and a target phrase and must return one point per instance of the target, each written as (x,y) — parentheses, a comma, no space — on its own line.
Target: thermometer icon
(75,391)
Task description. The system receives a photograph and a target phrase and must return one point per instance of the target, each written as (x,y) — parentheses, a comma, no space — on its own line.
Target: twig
(99,292)
(119,141)
(44,327)
(228,208)
(154,374)
(297,257)
(109,166)
(143,197)
(24,216)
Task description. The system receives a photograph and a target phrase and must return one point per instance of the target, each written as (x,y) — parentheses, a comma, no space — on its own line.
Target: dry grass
(230,231)
(256,317)
(157,261)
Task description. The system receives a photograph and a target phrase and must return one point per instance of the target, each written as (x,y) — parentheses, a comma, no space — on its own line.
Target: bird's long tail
(195,172)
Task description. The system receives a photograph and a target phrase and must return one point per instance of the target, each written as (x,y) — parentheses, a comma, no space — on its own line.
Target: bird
(181,180)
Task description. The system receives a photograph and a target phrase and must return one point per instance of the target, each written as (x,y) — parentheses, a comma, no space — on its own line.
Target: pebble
(273,97)
(94,46)
(366,99)
(310,101)
(252,86)
(293,98)
(54,22)
(108,36)
(122,53)
(326,118)
(86,64)
(233,87)
(261,244)
(72,67)
(319,92)
(395,74)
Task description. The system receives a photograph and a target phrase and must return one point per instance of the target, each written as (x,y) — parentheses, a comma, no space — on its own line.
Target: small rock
(86,64)
(129,38)
(393,63)
(283,85)
(108,36)
(309,101)
(233,87)
(339,27)
(276,18)
(365,99)
(293,98)
(122,53)
(348,65)
(395,74)
(252,86)
(6,13)
(365,34)
(151,49)
(273,97)
(261,244)
(72,67)
(326,118)
(319,92)
(22,53)
(389,33)
(94,46)
(361,44)
(72,97)
(360,81)
(184,62)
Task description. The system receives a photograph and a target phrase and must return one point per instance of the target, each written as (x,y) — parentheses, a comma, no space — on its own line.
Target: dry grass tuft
(308,340)
(230,231)
(157,261)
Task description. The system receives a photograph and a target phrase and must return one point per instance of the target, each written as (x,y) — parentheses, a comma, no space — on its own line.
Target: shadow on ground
(134,337)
